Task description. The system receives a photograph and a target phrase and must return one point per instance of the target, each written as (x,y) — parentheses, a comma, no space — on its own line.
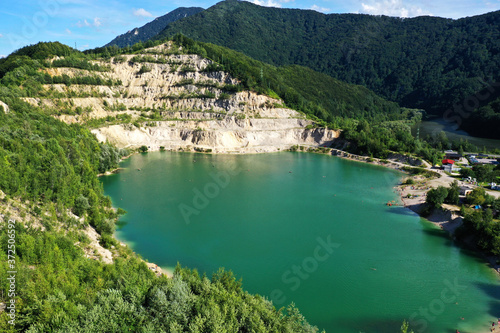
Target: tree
(81,205)
(436,196)
(496,205)
(143,149)
(477,196)
(453,194)
(484,173)
(466,172)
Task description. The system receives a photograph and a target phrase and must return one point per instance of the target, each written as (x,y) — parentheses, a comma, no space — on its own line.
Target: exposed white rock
(5,107)
(222,136)
(196,110)
(100,252)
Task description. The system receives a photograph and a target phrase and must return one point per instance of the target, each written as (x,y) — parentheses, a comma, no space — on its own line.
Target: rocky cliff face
(229,135)
(163,98)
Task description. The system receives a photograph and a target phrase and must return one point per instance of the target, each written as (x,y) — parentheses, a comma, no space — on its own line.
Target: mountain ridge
(153,28)
(425,62)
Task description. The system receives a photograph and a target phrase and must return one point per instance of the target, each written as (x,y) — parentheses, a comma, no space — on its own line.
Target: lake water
(304,228)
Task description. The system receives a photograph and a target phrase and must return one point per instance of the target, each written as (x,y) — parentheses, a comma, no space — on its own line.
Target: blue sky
(93,23)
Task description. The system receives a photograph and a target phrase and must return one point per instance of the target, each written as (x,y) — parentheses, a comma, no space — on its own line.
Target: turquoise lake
(305,228)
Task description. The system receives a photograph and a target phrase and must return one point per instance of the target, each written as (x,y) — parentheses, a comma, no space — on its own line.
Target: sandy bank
(414,196)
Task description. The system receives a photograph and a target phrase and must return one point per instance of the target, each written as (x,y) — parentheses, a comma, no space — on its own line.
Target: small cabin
(465,190)
(452,155)
(451,168)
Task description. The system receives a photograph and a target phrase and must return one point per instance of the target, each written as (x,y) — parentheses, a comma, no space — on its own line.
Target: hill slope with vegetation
(51,195)
(153,28)
(428,63)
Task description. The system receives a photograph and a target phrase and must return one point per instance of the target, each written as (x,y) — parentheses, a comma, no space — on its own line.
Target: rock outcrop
(229,135)
(5,107)
(163,98)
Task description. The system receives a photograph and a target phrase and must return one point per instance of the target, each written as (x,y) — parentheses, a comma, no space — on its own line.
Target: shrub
(119,59)
(81,205)
(144,69)
(107,241)
(409,181)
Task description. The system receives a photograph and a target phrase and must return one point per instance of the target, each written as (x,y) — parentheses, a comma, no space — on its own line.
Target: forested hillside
(50,195)
(425,62)
(153,28)
(301,88)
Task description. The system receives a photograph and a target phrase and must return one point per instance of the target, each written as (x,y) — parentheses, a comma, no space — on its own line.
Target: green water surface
(310,229)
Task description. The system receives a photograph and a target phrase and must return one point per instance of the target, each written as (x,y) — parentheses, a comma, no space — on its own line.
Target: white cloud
(267,3)
(320,9)
(68,31)
(141,12)
(2,56)
(96,23)
(1,35)
(392,8)
(81,24)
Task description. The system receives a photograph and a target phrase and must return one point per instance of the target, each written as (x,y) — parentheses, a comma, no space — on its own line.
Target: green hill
(153,28)
(425,62)
(50,192)
(301,88)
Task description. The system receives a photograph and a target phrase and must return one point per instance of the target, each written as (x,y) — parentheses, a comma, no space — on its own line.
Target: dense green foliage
(429,63)
(379,140)
(486,119)
(153,28)
(48,162)
(482,173)
(482,228)
(478,196)
(436,196)
(42,51)
(77,62)
(479,227)
(24,76)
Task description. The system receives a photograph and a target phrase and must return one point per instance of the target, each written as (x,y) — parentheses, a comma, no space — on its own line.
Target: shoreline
(446,219)
(413,197)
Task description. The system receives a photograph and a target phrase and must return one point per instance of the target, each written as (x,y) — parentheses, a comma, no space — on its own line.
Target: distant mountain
(153,28)
(424,62)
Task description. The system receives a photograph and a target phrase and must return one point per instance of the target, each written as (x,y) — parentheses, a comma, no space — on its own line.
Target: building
(452,155)
(450,168)
(465,190)
(447,161)
(486,161)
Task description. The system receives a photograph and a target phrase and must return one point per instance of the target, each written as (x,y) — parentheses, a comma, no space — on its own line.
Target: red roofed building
(447,161)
